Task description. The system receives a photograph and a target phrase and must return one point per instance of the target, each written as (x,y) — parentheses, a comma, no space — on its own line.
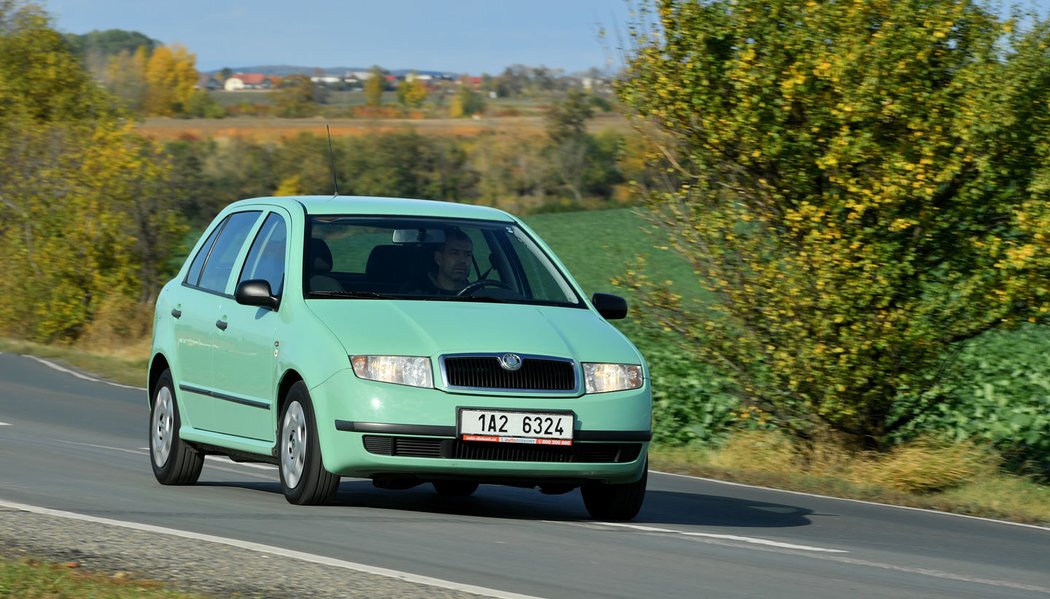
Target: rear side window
(198,261)
(218,264)
(265,260)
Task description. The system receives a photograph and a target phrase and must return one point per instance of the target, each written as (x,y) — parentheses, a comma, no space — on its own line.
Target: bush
(926,466)
(998,394)
(691,403)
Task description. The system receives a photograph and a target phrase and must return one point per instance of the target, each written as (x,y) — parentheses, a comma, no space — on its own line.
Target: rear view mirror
(402,236)
(611,307)
(256,292)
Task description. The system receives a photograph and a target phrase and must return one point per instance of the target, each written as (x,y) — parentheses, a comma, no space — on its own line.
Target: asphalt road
(79,446)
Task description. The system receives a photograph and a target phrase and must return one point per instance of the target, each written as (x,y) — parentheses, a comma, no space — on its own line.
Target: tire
(174,462)
(455,488)
(304,479)
(606,501)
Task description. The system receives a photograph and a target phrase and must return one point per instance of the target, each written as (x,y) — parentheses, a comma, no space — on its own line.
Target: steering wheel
(480,284)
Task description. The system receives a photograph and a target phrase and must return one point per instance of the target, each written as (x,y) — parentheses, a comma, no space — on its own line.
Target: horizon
(468,36)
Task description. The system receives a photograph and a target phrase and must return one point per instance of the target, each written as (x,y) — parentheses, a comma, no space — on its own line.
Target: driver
(453,260)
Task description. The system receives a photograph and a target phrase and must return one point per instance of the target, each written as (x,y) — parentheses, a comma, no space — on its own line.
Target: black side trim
(245,402)
(450,431)
(395,429)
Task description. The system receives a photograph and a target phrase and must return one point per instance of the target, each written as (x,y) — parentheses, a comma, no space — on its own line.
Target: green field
(601,245)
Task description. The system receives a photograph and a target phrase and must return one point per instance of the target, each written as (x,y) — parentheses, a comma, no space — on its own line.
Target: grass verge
(31,578)
(988,493)
(126,365)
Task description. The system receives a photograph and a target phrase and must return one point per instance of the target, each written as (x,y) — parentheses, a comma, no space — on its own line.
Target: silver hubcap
(293,444)
(162,426)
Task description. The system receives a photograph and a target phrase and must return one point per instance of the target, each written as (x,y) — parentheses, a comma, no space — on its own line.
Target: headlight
(401,370)
(600,378)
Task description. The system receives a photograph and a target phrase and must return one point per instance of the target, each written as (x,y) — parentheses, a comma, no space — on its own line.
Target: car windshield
(429,259)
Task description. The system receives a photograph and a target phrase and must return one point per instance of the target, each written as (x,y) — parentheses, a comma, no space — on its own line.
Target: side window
(266,257)
(219,264)
(193,277)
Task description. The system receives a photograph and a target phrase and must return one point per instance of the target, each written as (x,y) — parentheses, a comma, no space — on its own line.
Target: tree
(295,96)
(125,77)
(374,86)
(860,185)
(412,92)
(171,75)
(83,215)
(466,102)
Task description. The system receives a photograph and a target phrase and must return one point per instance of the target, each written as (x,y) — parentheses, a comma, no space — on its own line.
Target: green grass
(600,245)
(32,579)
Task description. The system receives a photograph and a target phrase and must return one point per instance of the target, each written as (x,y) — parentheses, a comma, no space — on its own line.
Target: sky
(458,36)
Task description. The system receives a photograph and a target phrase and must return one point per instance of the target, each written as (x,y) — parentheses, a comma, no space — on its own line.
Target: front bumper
(369,429)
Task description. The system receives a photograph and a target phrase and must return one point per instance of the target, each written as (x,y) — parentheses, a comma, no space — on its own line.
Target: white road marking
(722,537)
(5,424)
(79,375)
(299,555)
(900,507)
(820,554)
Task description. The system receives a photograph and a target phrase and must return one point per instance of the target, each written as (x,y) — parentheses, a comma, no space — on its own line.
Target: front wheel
(174,462)
(304,479)
(606,501)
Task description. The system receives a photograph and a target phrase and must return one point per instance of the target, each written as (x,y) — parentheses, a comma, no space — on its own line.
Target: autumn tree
(466,102)
(295,96)
(125,77)
(412,92)
(374,87)
(861,186)
(84,219)
(171,75)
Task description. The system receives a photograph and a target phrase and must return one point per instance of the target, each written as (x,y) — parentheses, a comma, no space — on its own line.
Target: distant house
(473,82)
(326,79)
(208,82)
(243,81)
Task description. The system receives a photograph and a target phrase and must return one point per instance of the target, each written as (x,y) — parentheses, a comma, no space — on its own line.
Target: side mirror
(611,307)
(256,292)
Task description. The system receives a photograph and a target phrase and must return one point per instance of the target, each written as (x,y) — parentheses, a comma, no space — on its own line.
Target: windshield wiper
(357,294)
(487,299)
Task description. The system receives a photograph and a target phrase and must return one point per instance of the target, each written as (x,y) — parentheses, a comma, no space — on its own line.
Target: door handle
(222,324)
(176,313)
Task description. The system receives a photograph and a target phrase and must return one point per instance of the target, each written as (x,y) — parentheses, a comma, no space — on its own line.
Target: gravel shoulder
(192,565)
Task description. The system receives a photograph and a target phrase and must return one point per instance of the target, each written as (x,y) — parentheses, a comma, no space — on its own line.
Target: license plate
(501,426)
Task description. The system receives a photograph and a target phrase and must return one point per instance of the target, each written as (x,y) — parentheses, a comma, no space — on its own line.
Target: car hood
(431,328)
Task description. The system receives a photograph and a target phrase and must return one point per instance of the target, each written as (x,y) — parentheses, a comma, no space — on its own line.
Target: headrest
(320,256)
(393,263)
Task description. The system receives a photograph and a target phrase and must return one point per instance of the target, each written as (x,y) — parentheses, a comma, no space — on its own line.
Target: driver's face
(453,262)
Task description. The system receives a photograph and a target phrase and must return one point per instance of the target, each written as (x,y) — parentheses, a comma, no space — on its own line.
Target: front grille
(485,372)
(454,449)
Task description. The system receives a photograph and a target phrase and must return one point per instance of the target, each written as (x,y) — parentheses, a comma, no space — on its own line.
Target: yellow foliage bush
(926,466)
(761,451)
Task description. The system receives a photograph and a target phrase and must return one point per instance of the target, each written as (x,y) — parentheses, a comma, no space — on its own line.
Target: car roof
(378,206)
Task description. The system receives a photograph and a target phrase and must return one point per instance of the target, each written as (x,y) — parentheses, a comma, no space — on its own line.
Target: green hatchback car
(405,341)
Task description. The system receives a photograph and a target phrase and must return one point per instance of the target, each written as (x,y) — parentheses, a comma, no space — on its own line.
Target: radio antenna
(331,160)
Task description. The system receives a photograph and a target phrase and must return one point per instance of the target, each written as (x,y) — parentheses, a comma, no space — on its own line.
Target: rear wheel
(454,488)
(174,462)
(606,501)
(304,479)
